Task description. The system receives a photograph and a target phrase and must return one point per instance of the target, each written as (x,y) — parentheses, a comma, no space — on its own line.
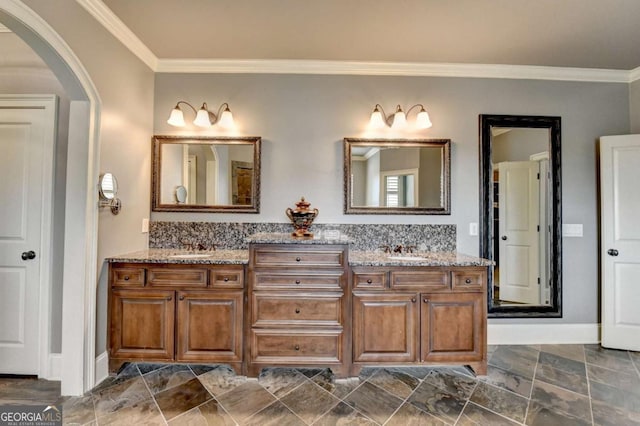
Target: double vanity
(298,303)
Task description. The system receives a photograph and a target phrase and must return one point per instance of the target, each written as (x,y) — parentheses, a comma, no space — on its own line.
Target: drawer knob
(226,279)
(297,281)
(181,297)
(468,281)
(126,277)
(297,310)
(425,300)
(298,259)
(413,299)
(296,347)
(369,281)
(169,298)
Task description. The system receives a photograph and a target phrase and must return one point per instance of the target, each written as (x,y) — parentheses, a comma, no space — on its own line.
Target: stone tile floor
(532,385)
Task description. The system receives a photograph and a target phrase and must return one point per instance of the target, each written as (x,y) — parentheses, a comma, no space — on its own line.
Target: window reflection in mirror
(520,214)
(385,176)
(206,174)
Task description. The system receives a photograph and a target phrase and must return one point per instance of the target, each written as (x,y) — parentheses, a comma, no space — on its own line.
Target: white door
(26,151)
(620,241)
(518,200)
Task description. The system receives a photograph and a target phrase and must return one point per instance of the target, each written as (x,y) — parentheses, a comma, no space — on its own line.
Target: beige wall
(634,106)
(125,86)
(303,119)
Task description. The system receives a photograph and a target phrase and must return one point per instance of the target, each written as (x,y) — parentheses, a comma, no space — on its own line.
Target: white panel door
(24,138)
(620,239)
(518,200)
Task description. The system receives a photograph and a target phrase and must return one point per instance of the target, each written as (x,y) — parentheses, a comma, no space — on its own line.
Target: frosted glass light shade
(376,121)
(422,120)
(202,118)
(399,120)
(176,118)
(226,119)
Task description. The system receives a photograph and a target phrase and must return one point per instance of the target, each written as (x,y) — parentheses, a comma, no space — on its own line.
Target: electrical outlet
(145,225)
(473,228)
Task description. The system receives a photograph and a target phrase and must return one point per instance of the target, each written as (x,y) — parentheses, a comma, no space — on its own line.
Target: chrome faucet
(386,248)
(398,249)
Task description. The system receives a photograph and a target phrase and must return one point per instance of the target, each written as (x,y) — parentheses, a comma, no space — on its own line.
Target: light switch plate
(572,230)
(473,228)
(145,225)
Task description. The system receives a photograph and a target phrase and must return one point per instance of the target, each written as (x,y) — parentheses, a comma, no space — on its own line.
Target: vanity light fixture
(204,117)
(398,120)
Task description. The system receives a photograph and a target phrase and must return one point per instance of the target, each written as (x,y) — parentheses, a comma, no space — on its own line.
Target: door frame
(49,104)
(78,363)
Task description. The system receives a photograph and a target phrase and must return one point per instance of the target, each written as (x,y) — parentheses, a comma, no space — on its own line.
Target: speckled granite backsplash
(366,237)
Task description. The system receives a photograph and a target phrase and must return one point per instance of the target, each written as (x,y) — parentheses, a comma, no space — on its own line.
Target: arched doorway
(80,241)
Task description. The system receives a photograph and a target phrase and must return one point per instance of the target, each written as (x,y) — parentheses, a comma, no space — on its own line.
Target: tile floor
(532,385)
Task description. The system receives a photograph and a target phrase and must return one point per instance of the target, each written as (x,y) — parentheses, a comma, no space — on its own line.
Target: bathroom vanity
(298,303)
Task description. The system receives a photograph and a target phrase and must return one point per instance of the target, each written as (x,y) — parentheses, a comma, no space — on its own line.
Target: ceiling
(597,34)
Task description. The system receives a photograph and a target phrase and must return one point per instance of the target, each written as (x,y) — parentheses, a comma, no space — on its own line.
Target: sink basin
(414,258)
(190,256)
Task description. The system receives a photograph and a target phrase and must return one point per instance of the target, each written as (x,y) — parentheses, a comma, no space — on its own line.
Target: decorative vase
(301,218)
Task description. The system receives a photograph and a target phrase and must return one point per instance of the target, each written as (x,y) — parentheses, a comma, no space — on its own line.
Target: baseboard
(549,334)
(55,367)
(102,367)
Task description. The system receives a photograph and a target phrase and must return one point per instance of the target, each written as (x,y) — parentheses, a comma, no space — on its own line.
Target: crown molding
(634,75)
(261,66)
(4,29)
(119,30)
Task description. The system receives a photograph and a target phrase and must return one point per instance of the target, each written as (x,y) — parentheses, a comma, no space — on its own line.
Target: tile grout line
(466,402)
(533,382)
(278,399)
(588,386)
(420,381)
(153,397)
(212,396)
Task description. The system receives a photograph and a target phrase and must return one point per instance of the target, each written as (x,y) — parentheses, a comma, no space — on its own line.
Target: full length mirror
(396,176)
(206,174)
(521,214)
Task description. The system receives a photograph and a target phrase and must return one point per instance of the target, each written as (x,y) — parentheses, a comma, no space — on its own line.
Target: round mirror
(108,186)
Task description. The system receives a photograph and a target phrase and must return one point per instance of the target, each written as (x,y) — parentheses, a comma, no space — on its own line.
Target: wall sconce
(204,117)
(107,190)
(398,120)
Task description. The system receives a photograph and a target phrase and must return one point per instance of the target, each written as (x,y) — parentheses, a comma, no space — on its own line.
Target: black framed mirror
(520,214)
(397,176)
(205,174)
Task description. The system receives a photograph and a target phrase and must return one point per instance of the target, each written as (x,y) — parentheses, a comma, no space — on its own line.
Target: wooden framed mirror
(521,214)
(397,176)
(205,174)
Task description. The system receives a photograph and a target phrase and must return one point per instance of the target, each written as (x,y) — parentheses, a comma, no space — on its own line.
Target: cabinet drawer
(265,280)
(227,277)
(177,277)
(127,277)
(431,280)
(296,347)
(468,280)
(298,257)
(296,309)
(363,279)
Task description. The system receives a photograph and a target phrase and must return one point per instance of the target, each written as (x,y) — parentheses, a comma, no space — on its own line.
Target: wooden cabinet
(167,312)
(409,315)
(298,308)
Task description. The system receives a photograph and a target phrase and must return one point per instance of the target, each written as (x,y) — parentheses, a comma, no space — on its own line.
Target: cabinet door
(453,327)
(209,326)
(385,327)
(142,324)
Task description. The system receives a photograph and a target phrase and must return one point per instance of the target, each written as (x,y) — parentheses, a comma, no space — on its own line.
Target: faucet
(187,245)
(409,249)
(202,247)
(398,249)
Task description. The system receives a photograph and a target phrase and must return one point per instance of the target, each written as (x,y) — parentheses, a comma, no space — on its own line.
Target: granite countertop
(286,238)
(378,258)
(205,257)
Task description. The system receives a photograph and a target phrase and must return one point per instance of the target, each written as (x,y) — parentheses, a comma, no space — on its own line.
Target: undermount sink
(415,258)
(190,256)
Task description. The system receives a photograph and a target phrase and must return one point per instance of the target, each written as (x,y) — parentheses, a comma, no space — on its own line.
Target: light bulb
(202,117)
(176,118)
